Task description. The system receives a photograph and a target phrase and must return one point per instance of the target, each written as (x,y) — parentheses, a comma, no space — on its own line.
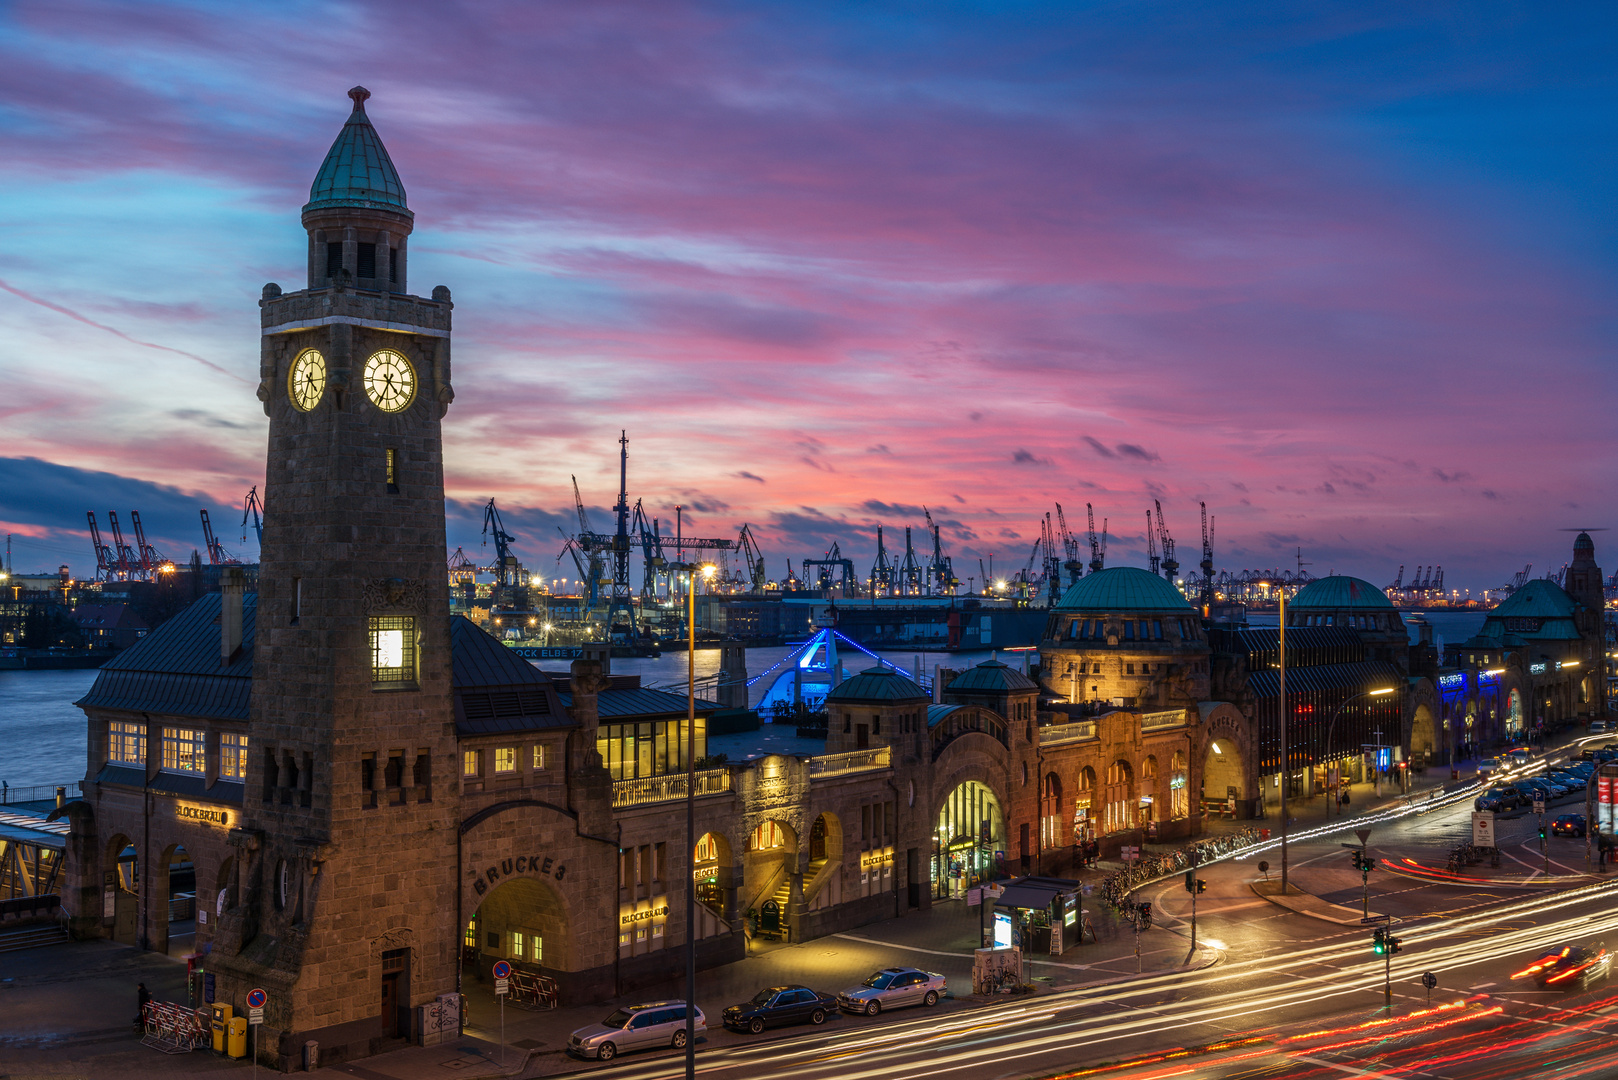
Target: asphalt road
(1295,996)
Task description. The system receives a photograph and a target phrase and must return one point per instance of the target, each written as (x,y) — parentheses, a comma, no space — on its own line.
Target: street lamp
(1383,692)
(707,571)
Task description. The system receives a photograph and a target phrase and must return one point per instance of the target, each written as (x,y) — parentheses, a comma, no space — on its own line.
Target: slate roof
(877,684)
(1365,675)
(175,669)
(1122,588)
(1537,599)
(357,170)
(480,659)
(629,703)
(991,676)
(495,689)
(936,714)
(1252,639)
(1340,591)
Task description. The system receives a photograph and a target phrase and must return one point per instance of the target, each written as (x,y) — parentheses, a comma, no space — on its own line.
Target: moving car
(1568,825)
(1570,967)
(891,988)
(780,1005)
(635,1027)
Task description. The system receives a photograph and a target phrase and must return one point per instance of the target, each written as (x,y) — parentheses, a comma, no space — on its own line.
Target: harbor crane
(217,555)
(941,580)
(1171,568)
(910,572)
(1151,545)
(754,558)
(823,578)
(506,567)
(1070,548)
(1098,548)
(128,561)
(252,506)
(150,561)
(1207,597)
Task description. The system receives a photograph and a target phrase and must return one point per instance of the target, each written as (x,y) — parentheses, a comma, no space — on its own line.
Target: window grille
(393,651)
(183,750)
(127,743)
(232,757)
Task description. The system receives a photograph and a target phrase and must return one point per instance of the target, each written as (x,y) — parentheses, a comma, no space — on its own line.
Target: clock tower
(345,856)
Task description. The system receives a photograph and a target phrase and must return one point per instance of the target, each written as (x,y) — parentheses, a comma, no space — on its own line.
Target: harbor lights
(691,570)
(1380,692)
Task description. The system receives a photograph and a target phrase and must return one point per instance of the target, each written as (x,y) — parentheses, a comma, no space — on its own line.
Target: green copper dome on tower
(357,171)
(1340,591)
(1122,588)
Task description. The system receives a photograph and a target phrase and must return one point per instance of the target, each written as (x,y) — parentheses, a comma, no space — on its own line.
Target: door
(390,1005)
(641,1031)
(862,737)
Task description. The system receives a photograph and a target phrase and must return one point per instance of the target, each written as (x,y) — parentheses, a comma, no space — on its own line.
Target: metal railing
(856,761)
(36,793)
(1061,733)
(1152,721)
(669,788)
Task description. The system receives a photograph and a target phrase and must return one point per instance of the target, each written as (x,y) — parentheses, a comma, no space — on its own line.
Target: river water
(42,734)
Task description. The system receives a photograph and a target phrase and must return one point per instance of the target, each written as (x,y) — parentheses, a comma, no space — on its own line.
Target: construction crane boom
(217,555)
(1151,544)
(106,561)
(1098,546)
(1171,568)
(150,561)
(252,505)
(127,559)
(505,564)
(1070,548)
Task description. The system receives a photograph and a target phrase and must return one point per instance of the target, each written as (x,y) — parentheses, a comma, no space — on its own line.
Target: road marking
(1349,1069)
(1484,986)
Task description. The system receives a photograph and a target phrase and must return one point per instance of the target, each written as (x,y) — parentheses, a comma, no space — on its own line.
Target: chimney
(230,615)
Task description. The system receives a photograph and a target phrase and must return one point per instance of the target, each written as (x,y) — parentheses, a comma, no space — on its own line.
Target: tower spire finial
(359,94)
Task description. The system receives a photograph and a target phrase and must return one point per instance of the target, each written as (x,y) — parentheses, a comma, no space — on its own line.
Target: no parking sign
(255,1005)
(502,978)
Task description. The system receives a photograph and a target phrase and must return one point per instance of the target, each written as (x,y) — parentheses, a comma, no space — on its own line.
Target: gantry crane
(106,561)
(1070,548)
(217,555)
(252,505)
(882,569)
(1098,547)
(1207,597)
(506,567)
(1170,568)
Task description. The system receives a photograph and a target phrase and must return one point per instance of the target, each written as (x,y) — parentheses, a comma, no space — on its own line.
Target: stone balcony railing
(1156,721)
(1065,733)
(669,788)
(856,761)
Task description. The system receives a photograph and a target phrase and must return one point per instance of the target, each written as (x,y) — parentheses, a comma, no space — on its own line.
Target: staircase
(32,937)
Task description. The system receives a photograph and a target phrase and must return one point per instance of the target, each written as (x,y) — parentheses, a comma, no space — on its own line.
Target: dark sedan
(1570,967)
(780,1005)
(1568,825)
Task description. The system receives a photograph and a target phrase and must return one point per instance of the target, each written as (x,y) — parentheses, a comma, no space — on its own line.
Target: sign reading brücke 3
(522,864)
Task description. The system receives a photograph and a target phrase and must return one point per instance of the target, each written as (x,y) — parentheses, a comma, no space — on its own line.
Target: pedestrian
(142,996)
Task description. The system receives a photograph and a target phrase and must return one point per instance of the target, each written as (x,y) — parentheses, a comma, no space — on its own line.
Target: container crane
(1207,597)
(252,506)
(106,561)
(941,580)
(127,559)
(1053,560)
(882,569)
(1151,544)
(754,558)
(620,619)
(217,555)
(150,561)
(847,583)
(1098,548)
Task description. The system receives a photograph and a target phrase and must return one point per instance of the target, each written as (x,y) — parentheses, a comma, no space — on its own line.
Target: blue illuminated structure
(807,674)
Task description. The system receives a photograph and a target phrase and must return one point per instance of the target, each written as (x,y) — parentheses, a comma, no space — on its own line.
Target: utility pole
(1286,771)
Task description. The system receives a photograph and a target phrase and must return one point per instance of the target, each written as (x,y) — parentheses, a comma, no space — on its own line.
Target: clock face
(307,379)
(390,380)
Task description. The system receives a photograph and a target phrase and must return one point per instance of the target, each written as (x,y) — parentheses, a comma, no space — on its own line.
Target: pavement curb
(1310,905)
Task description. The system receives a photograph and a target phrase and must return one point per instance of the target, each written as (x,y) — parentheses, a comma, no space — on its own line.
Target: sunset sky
(1344,271)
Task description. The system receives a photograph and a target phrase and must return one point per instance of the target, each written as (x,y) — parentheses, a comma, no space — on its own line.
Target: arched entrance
(1084,818)
(823,879)
(1224,783)
(1051,834)
(1150,811)
(1423,736)
(174,895)
(770,868)
(120,890)
(1514,713)
(1118,798)
(971,830)
(522,921)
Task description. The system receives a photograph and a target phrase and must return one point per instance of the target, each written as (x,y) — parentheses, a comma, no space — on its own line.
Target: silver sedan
(893,988)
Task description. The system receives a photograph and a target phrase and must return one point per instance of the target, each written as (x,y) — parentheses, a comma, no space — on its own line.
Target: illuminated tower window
(393,652)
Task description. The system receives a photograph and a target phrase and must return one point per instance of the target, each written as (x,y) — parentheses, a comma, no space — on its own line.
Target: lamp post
(1286,772)
(707,571)
(1333,724)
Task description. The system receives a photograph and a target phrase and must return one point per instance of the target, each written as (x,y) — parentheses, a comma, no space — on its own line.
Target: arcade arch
(1118,798)
(769,865)
(1423,734)
(971,828)
(1224,779)
(1084,816)
(174,894)
(122,860)
(524,921)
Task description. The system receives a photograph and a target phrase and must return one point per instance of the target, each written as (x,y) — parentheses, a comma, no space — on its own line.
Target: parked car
(891,988)
(635,1027)
(1495,800)
(780,1005)
(1570,967)
(1568,825)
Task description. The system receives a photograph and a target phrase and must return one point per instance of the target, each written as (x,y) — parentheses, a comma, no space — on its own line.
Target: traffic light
(1363,863)
(1191,881)
(1379,941)
(1145,913)
(1202,886)
(1542,832)
(1393,945)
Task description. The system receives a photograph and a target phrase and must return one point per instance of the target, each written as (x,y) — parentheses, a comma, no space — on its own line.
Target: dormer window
(367,261)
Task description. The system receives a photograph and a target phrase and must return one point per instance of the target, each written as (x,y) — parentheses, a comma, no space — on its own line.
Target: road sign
(502,970)
(1129,853)
(256,998)
(1539,806)
(255,1016)
(502,987)
(1429,980)
(1364,835)
(1483,828)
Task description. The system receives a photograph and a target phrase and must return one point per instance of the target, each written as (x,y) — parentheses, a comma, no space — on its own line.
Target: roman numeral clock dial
(390,381)
(306,381)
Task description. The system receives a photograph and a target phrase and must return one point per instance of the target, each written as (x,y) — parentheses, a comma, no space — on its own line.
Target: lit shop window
(127,743)
(505,759)
(393,651)
(182,749)
(232,757)
(768,835)
(470,940)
